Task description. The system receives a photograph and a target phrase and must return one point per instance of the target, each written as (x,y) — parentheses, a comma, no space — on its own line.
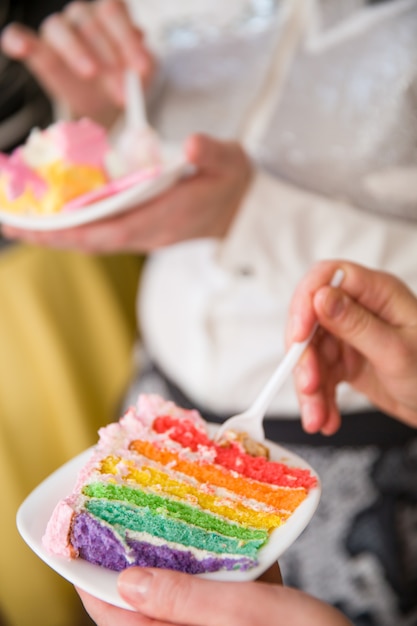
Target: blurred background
(67,327)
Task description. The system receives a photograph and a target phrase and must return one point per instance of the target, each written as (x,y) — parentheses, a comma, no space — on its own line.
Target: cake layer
(232,457)
(281,498)
(126,517)
(101,546)
(174,509)
(227,504)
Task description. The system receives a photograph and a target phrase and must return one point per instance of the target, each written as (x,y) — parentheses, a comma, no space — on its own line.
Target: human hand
(163,598)
(368,337)
(202,205)
(80,54)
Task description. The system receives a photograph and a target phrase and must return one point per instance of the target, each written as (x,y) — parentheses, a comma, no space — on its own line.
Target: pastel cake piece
(54,165)
(67,166)
(159,492)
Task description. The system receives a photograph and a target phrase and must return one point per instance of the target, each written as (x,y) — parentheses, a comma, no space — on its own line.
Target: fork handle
(280,375)
(288,363)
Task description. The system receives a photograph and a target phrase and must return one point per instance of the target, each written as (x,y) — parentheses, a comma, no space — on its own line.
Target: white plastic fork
(137,139)
(251,420)
(136,119)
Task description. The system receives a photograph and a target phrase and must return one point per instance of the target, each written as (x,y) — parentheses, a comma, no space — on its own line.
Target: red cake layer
(233,457)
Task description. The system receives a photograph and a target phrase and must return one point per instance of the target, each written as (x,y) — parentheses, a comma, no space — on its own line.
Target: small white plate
(36,510)
(175,168)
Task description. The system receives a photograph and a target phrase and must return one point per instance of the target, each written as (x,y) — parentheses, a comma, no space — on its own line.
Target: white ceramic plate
(175,168)
(36,510)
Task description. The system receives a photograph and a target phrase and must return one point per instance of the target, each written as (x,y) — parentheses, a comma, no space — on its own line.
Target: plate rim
(141,192)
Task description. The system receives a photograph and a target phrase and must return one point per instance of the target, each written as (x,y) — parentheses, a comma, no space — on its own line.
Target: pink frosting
(81,142)
(115,439)
(150,406)
(20,176)
(56,538)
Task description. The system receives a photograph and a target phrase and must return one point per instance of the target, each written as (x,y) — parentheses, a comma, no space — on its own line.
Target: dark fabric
(23,104)
(29,12)
(359,551)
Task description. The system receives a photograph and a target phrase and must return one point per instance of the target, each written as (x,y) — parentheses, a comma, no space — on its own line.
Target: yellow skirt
(67,329)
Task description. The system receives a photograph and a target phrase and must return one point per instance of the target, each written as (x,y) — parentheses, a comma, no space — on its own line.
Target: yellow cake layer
(25,203)
(64,183)
(67,182)
(150,477)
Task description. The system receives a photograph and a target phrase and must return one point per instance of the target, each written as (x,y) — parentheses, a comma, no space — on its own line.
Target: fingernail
(334,303)
(308,417)
(134,584)
(15,44)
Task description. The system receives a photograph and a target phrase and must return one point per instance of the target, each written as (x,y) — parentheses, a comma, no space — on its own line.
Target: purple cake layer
(99,545)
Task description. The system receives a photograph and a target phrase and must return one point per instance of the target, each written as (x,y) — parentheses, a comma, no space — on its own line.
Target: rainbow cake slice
(159,492)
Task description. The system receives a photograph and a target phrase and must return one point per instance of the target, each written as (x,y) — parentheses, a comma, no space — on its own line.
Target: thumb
(171,597)
(352,323)
(211,155)
(183,599)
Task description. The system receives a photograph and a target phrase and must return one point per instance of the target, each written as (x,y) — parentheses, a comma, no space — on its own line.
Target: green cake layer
(125,517)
